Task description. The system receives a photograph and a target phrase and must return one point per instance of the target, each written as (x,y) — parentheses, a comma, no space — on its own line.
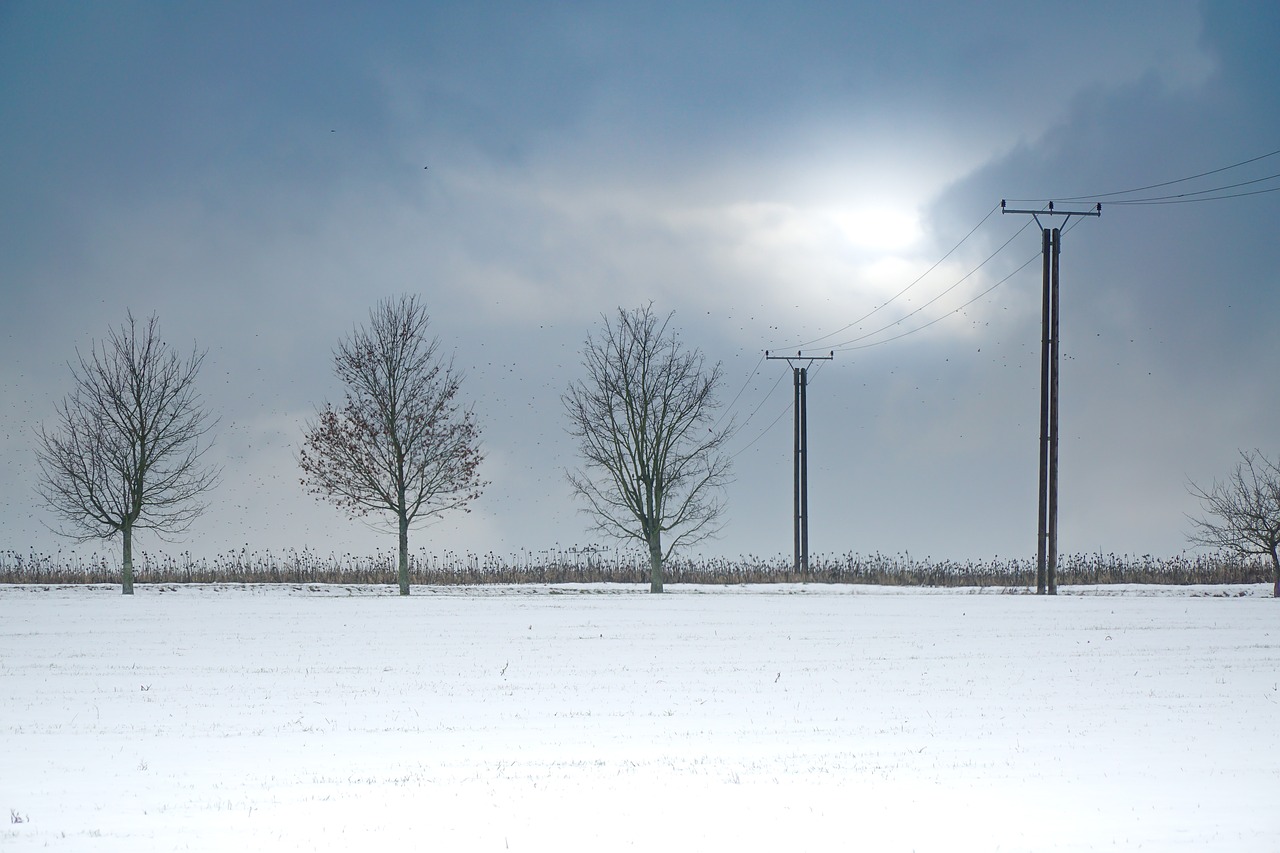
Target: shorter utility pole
(1051,248)
(800,375)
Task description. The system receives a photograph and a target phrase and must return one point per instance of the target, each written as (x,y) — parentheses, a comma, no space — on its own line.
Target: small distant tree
(400,444)
(644,418)
(1243,513)
(126,451)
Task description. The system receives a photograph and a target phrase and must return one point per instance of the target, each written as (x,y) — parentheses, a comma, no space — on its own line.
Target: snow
(595,718)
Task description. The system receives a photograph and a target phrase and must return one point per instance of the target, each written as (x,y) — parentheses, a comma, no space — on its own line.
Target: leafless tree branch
(644,420)
(1243,513)
(126,451)
(400,443)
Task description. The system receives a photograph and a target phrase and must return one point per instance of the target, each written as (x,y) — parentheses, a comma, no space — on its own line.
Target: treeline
(587,565)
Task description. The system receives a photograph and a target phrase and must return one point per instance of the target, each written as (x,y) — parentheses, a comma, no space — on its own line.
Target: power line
(734,401)
(845,345)
(918,279)
(960,307)
(850,325)
(941,317)
(787,408)
(765,431)
(818,369)
(1186,195)
(758,407)
(956,310)
(781,415)
(1181,200)
(1211,194)
(1168,183)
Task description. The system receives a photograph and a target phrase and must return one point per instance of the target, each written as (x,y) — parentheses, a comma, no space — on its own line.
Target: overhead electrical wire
(844,346)
(1183,199)
(785,409)
(918,279)
(1176,198)
(964,305)
(736,397)
(1211,194)
(871,313)
(764,431)
(740,427)
(940,317)
(960,307)
(1114,193)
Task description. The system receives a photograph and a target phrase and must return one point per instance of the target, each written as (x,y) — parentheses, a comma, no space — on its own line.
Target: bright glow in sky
(260,177)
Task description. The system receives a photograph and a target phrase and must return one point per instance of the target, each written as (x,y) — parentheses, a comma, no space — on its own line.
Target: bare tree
(126,453)
(1244,512)
(400,444)
(644,420)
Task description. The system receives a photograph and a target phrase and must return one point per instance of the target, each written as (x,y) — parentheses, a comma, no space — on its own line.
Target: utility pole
(1047,539)
(800,376)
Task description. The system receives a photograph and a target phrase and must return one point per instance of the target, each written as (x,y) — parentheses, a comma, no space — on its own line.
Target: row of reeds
(598,565)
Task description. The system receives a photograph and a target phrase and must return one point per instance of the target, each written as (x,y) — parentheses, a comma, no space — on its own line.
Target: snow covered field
(602,718)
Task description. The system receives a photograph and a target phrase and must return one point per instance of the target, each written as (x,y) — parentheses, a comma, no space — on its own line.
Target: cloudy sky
(816,175)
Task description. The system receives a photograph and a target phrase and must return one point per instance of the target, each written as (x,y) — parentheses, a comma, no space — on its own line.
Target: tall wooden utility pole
(800,376)
(1051,248)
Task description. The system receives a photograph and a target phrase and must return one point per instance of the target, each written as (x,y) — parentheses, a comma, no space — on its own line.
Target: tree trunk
(404,555)
(126,579)
(655,561)
(1275,567)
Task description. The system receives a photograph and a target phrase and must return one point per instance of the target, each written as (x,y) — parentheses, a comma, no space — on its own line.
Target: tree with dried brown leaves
(1244,512)
(400,444)
(644,418)
(126,453)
